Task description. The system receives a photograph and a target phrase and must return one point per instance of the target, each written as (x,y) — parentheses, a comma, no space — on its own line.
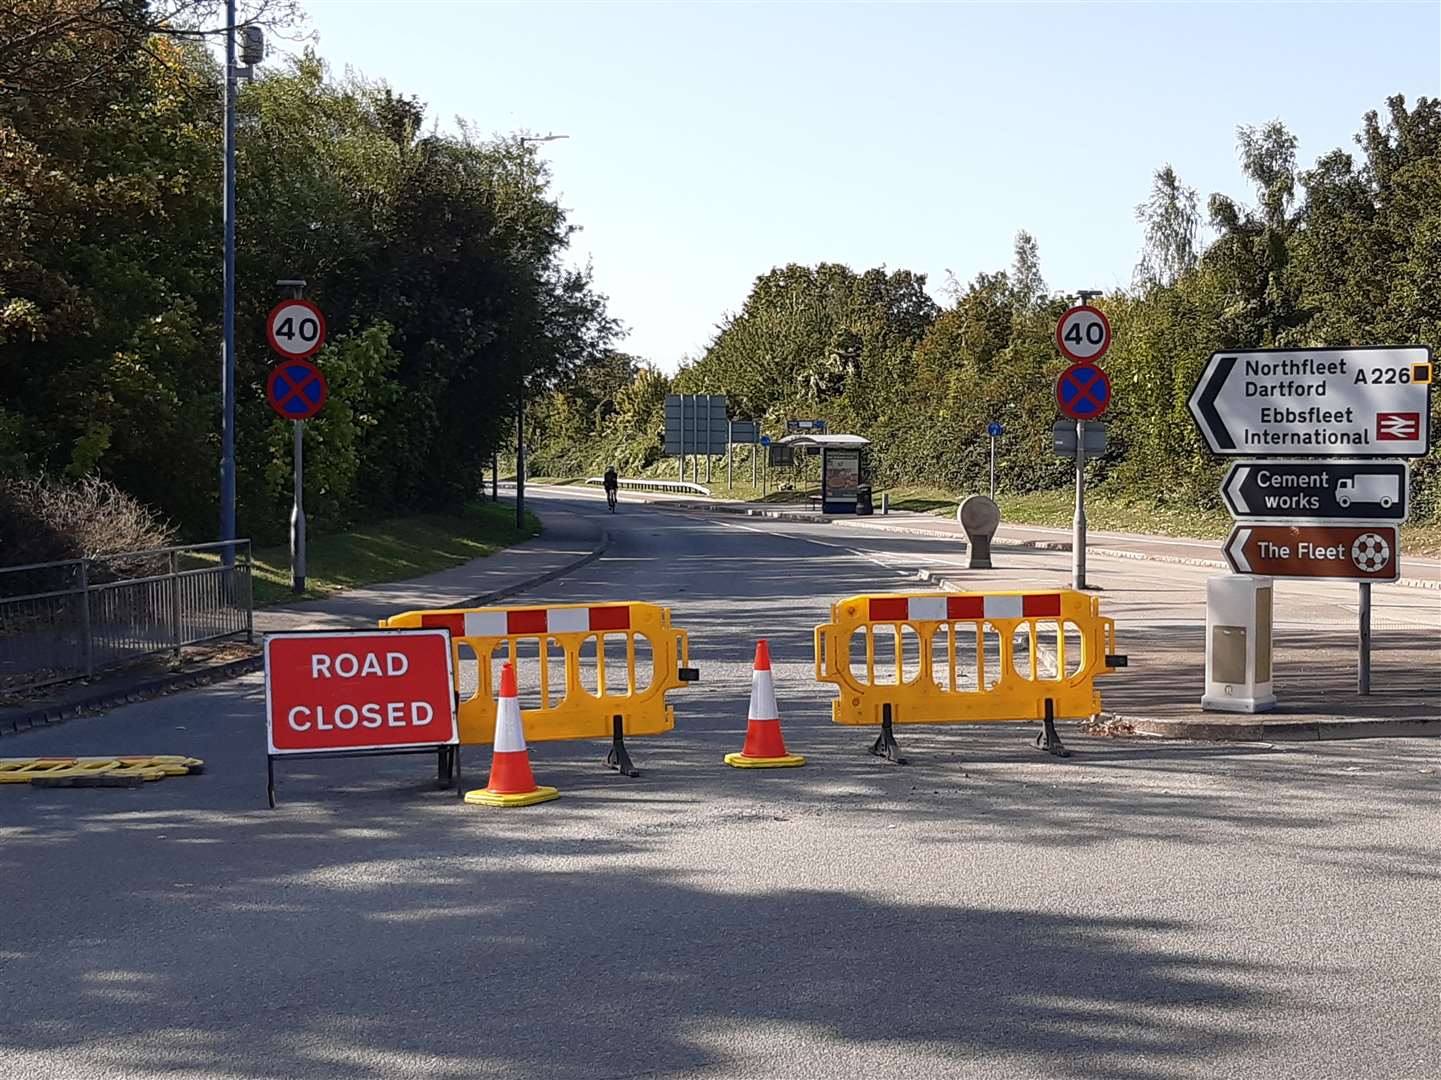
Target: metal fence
(68,620)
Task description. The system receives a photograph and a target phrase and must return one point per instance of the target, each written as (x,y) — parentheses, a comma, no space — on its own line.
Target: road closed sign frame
(341,690)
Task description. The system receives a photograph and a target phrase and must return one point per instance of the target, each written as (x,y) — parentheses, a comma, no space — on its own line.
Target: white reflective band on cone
(763,698)
(509,734)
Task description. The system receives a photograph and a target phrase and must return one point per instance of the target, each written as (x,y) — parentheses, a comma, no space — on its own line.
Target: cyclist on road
(612,485)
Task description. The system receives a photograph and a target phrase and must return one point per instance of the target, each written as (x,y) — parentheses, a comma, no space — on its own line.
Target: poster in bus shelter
(842,475)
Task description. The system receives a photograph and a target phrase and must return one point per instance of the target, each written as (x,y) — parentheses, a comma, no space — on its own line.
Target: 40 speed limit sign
(295,329)
(1083,334)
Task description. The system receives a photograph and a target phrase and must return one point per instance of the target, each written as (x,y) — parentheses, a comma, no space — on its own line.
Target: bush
(42,520)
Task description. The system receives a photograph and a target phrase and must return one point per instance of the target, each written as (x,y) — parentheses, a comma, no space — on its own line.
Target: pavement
(566,543)
(1147,909)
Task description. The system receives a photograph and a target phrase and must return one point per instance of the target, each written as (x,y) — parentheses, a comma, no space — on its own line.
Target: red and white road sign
(1357,552)
(295,329)
(1084,333)
(373,690)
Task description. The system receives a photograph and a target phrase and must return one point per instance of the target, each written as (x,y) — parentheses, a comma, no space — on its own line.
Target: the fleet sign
(1349,490)
(372,690)
(1361,402)
(1354,552)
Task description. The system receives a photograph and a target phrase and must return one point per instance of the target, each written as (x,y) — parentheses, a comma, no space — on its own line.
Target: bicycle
(610,495)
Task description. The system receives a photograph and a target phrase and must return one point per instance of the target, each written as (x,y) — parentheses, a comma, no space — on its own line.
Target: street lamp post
(520,403)
(252,52)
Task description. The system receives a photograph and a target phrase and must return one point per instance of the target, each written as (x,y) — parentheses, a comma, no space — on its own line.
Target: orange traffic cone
(511,781)
(764,748)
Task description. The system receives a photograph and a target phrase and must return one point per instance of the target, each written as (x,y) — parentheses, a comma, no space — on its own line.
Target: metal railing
(681,486)
(68,620)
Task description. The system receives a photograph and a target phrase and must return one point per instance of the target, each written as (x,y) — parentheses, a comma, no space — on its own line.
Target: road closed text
(396,714)
(371,690)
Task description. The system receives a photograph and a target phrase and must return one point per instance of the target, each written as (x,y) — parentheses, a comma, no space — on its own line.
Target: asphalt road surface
(1143,909)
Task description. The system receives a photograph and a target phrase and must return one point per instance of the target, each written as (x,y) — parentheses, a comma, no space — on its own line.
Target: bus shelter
(840,467)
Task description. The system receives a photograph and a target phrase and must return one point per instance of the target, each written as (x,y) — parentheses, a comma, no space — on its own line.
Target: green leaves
(436,259)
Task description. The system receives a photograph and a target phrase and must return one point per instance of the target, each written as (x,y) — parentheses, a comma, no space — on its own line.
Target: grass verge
(389,550)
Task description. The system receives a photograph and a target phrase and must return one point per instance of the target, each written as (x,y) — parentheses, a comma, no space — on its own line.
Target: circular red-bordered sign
(1083,334)
(296,389)
(1083,392)
(295,329)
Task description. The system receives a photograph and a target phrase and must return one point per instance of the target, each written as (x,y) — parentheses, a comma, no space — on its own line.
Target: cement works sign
(1363,402)
(1349,552)
(1349,490)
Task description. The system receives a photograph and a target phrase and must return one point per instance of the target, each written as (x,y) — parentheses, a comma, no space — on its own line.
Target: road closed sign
(1362,402)
(372,690)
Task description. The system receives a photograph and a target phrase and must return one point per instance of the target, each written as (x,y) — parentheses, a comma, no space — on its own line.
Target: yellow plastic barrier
(147,767)
(583,671)
(947,658)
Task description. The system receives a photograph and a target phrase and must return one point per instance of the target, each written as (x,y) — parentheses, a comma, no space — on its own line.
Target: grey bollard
(980,517)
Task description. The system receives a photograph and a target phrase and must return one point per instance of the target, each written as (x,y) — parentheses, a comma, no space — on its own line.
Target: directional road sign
(1083,334)
(994,430)
(765,440)
(1355,552)
(296,389)
(295,329)
(696,424)
(1302,490)
(1083,391)
(745,431)
(1363,402)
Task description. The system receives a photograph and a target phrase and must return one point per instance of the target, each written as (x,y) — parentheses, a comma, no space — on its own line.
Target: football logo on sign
(1398,426)
(1371,553)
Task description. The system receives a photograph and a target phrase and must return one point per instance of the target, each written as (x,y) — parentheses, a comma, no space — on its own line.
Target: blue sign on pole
(994,430)
(765,440)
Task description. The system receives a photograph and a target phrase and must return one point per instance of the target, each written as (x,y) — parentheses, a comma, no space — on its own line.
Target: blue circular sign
(1083,392)
(994,430)
(765,440)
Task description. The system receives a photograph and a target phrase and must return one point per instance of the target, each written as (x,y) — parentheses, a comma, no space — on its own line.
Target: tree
(1172,223)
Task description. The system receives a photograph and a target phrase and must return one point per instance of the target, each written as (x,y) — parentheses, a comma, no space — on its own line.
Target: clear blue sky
(712,141)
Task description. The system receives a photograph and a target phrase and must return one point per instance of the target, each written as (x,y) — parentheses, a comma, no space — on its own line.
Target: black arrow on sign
(1203,403)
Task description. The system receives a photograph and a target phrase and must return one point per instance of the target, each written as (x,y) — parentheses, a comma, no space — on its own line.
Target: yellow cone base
(789,761)
(482,797)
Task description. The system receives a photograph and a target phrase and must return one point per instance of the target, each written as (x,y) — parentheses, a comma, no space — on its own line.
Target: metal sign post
(1363,640)
(1083,392)
(1078,519)
(297,514)
(297,390)
(995,431)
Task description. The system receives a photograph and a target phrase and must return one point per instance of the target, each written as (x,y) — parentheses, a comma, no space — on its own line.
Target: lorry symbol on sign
(1382,490)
